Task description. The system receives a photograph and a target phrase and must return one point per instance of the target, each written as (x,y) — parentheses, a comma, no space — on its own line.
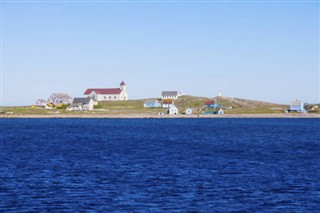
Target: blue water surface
(160,165)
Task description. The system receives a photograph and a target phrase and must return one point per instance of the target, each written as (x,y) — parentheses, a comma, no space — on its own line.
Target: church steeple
(123,86)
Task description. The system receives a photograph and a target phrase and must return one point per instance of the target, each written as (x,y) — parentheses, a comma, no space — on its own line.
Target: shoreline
(142,116)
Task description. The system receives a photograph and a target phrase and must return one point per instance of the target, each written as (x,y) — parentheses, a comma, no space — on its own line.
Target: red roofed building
(108,94)
(167,103)
(210,102)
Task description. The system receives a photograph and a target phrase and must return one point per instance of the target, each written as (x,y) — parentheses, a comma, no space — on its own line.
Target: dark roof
(107,91)
(170,93)
(81,100)
(122,83)
(150,101)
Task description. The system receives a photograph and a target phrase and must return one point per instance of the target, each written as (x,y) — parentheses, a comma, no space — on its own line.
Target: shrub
(97,106)
(63,106)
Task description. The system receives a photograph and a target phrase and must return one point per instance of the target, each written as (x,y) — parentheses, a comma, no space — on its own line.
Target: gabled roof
(81,100)
(173,107)
(296,102)
(104,91)
(170,93)
(150,101)
(210,102)
(62,95)
(122,83)
(42,101)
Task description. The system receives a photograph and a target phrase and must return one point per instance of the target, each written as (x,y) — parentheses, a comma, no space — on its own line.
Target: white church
(108,94)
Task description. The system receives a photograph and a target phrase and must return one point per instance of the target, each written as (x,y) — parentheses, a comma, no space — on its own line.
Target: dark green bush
(97,106)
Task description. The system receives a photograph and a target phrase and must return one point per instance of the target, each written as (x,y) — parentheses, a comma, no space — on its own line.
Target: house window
(109,97)
(105,97)
(114,97)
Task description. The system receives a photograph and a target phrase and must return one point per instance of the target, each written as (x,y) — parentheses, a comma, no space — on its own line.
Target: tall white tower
(220,94)
(124,94)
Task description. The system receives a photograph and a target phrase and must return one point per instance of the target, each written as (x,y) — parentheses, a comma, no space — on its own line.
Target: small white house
(188,111)
(60,98)
(41,103)
(167,103)
(220,112)
(297,106)
(173,110)
(81,104)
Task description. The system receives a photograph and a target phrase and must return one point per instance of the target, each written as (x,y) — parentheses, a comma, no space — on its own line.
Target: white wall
(169,97)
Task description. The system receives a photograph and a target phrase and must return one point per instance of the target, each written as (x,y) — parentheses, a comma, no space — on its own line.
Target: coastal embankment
(162,116)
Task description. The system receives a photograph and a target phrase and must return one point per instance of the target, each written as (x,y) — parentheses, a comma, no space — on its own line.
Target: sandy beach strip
(159,116)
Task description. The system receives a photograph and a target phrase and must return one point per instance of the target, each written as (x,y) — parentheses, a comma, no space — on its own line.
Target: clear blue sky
(256,50)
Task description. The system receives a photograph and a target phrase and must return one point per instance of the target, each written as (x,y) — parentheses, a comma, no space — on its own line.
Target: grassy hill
(244,106)
(230,106)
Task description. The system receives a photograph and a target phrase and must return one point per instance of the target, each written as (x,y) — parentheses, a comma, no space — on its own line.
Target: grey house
(81,104)
(60,98)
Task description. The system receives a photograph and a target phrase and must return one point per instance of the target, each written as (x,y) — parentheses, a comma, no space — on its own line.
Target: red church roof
(109,91)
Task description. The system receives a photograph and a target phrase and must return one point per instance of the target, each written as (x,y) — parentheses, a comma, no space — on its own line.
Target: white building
(81,104)
(188,111)
(60,98)
(170,95)
(220,112)
(173,110)
(108,94)
(297,106)
(41,103)
(167,103)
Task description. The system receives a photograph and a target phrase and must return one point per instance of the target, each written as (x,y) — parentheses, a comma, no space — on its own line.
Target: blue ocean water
(160,165)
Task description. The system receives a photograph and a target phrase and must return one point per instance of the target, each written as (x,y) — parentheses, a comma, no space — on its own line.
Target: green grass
(238,106)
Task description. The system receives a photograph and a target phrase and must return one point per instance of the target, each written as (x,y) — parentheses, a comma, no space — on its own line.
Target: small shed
(151,104)
(188,111)
(173,110)
(220,111)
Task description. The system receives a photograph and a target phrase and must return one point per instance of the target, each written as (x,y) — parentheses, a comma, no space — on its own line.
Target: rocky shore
(161,116)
